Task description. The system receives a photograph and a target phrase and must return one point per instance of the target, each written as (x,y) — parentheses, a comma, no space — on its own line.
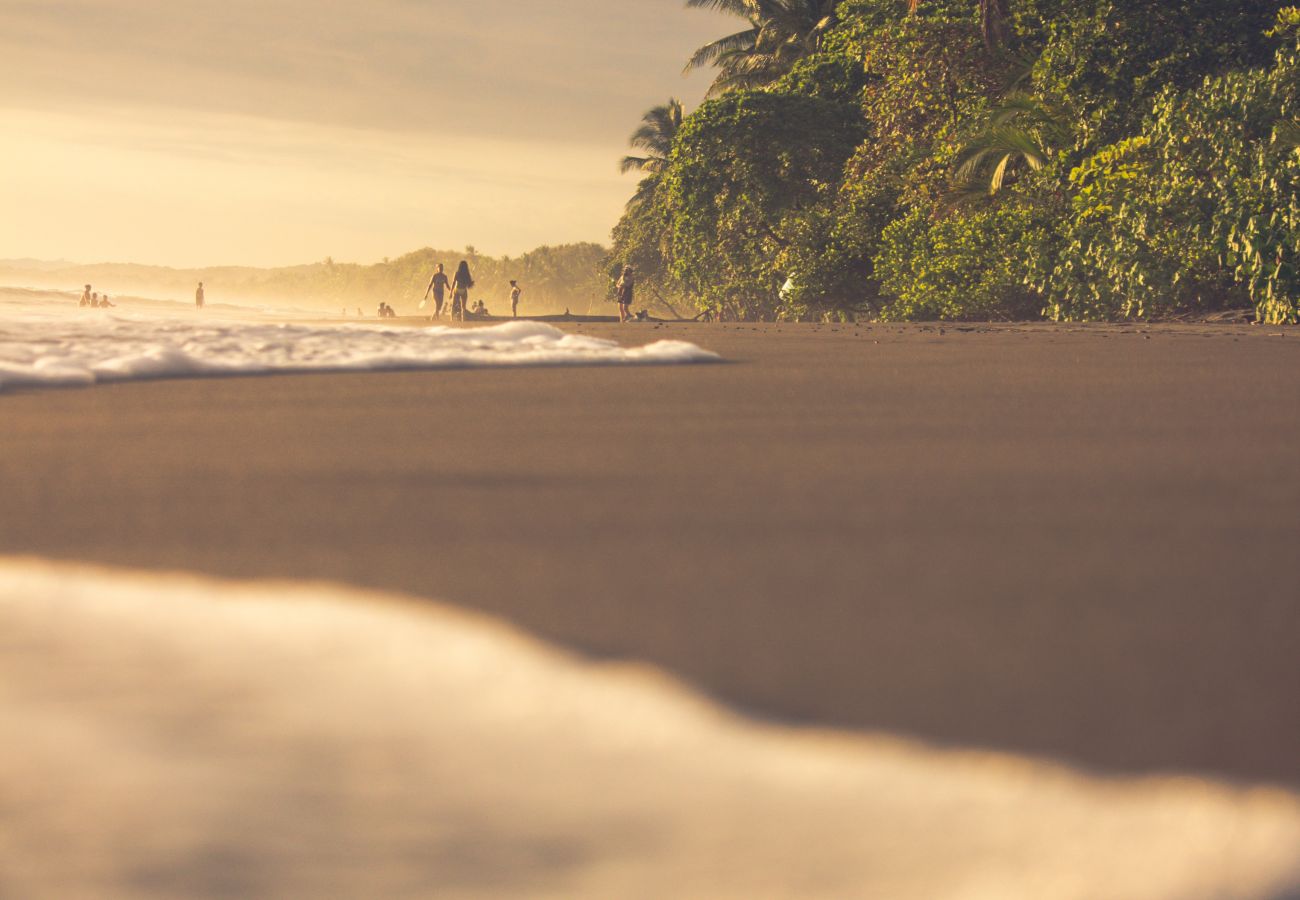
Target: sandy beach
(1076,543)
(954,557)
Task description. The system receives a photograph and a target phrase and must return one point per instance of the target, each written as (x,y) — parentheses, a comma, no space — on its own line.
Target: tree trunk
(993,22)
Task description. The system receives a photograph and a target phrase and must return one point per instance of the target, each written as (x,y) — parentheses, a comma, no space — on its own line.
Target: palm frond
(658,129)
(988,158)
(1020,107)
(644,192)
(963,193)
(1287,134)
(655,135)
(1021,65)
(710,53)
(628,163)
(1021,129)
(782,32)
(743,8)
(999,174)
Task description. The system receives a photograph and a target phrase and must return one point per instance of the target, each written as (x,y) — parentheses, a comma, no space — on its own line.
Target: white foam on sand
(171,736)
(46,344)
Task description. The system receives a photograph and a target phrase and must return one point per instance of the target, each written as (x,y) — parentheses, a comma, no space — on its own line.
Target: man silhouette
(438,284)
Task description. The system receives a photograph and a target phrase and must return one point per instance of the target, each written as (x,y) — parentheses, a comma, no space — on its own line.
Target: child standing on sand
(515,291)
(626,287)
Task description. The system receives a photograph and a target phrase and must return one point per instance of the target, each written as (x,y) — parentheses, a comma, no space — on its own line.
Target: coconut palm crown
(780,33)
(655,136)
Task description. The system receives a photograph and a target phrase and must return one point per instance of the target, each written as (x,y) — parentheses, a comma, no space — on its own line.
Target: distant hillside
(553,278)
(35,265)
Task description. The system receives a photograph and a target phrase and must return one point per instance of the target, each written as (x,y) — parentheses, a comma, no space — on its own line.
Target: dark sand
(1080,543)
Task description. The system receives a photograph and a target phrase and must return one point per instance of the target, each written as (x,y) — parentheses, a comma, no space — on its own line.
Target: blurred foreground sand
(171,736)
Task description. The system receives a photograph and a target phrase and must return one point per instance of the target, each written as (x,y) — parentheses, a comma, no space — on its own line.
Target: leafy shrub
(966,264)
(923,74)
(828,76)
(1198,212)
(742,167)
(1112,58)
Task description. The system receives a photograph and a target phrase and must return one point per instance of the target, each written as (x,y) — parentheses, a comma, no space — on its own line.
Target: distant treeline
(979,159)
(553,278)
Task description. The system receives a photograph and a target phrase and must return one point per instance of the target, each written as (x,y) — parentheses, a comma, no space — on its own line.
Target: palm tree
(993,21)
(1022,129)
(780,33)
(655,137)
(658,129)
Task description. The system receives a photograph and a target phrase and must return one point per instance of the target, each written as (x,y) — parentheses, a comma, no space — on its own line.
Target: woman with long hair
(460,286)
(626,286)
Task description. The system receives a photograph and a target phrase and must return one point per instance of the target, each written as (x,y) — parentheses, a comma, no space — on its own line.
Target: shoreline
(1243,317)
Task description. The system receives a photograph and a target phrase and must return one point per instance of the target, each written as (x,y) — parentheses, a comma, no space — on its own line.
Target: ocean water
(172,736)
(47,343)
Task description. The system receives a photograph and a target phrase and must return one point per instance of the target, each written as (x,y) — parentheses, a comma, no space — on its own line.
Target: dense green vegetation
(979,159)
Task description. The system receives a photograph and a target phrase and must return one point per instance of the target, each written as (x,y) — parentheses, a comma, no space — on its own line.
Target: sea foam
(61,345)
(174,736)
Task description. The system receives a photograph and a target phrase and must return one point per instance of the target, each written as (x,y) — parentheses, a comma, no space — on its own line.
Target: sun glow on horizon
(266,134)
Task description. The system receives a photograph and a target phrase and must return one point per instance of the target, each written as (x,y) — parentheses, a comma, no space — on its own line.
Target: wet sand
(1077,543)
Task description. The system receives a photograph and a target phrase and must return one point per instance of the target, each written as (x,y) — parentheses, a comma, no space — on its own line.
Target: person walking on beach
(198,296)
(515,291)
(438,284)
(85,297)
(626,287)
(460,286)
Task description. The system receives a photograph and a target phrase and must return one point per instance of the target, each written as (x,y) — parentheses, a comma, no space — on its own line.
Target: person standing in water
(460,286)
(438,284)
(626,288)
(515,291)
(85,297)
(198,296)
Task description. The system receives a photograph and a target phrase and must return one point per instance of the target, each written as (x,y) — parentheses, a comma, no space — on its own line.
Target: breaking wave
(45,345)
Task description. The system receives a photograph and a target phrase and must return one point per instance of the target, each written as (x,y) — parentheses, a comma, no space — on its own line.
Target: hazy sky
(195,132)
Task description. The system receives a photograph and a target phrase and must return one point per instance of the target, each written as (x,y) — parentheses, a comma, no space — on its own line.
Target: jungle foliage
(982,159)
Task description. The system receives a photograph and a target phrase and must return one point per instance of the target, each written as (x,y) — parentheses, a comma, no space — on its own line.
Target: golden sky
(269,132)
